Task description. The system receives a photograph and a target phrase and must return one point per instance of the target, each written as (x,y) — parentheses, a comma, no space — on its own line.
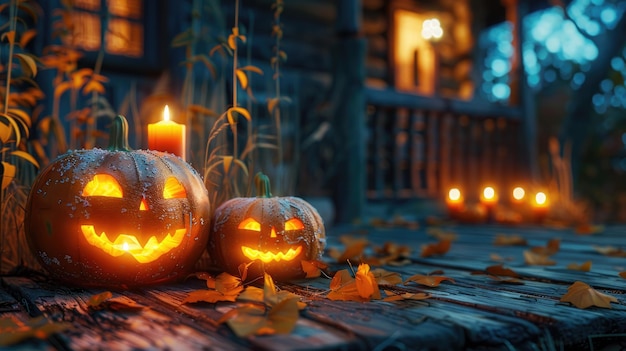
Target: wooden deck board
(473,313)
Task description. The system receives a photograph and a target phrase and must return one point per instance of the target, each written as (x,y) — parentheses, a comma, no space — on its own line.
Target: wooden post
(521,94)
(349,112)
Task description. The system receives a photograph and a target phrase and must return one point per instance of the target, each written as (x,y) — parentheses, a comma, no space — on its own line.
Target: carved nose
(143,206)
(273,233)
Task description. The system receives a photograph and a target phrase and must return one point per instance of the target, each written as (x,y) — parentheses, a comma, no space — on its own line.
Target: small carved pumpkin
(117,217)
(278,233)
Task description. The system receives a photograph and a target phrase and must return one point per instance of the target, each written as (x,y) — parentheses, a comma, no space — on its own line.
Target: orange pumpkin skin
(64,225)
(272,236)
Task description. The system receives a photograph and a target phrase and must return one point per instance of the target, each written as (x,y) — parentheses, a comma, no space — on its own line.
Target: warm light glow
(166,113)
(414,57)
(173,189)
(103,185)
(489,193)
(294,224)
(454,194)
(541,199)
(128,244)
(431,29)
(269,256)
(519,193)
(143,206)
(250,224)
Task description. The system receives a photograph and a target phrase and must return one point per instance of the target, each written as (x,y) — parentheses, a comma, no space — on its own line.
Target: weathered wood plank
(148,328)
(11,308)
(307,332)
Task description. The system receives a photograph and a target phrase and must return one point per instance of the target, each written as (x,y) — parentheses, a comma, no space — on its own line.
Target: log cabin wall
(421,144)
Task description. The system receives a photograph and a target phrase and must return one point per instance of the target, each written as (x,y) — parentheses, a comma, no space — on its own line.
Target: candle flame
(519,193)
(125,246)
(541,198)
(166,113)
(454,194)
(489,193)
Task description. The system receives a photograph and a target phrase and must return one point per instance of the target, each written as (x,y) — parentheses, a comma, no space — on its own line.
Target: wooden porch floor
(474,312)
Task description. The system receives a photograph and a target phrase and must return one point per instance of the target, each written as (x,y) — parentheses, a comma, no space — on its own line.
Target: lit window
(124,28)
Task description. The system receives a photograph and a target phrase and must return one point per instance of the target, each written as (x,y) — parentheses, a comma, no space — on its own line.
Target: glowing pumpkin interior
(117,244)
(253,225)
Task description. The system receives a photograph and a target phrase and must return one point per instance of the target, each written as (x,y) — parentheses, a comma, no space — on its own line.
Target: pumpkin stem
(262,183)
(118,134)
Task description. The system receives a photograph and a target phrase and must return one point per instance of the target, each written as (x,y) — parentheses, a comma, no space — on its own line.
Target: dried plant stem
(12,27)
(234,125)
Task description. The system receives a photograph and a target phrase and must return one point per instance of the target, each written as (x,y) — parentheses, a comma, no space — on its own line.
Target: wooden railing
(418,147)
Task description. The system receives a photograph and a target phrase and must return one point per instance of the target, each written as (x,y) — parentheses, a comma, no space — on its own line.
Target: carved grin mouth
(124,243)
(270,256)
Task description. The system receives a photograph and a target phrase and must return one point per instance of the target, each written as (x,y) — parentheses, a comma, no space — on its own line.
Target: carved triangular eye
(250,224)
(294,224)
(103,185)
(173,189)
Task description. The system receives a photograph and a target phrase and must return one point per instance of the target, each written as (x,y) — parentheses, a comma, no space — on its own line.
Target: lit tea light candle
(489,197)
(167,135)
(454,202)
(518,194)
(540,206)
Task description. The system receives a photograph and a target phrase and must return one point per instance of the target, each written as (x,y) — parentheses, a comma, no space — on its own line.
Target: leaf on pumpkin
(436,249)
(428,280)
(584,267)
(537,259)
(384,277)
(509,240)
(392,296)
(13,331)
(551,247)
(313,269)
(582,296)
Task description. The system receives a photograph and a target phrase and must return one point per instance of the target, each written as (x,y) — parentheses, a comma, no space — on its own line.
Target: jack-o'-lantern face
(117,244)
(277,232)
(118,217)
(254,227)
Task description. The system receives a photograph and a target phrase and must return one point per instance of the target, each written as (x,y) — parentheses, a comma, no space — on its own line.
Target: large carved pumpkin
(117,217)
(276,233)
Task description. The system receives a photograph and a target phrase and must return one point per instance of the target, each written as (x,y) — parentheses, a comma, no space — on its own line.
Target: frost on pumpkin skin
(61,210)
(272,246)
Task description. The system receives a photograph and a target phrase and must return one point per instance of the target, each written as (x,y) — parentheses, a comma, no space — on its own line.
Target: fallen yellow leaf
(392,296)
(427,280)
(582,296)
(436,249)
(584,267)
(509,240)
(537,259)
